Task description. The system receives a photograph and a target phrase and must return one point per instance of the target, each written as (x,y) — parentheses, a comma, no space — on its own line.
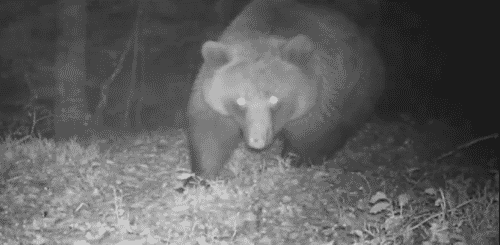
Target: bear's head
(260,84)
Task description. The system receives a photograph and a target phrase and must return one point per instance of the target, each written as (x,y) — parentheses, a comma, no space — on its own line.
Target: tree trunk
(72,115)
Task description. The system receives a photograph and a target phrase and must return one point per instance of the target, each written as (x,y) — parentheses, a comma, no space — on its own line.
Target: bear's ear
(298,50)
(215,53)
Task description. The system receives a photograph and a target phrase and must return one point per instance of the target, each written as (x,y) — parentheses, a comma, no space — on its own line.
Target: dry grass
(134,192)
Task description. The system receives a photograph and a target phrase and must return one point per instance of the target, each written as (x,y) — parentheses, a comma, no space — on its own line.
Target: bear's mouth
(254,150)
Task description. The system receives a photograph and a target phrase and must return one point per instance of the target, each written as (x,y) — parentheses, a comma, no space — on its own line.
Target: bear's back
(285,19)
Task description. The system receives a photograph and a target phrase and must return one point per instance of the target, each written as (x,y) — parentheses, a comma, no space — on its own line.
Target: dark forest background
(440,59)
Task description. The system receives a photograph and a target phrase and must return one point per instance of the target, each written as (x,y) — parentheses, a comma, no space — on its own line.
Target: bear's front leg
(213,139)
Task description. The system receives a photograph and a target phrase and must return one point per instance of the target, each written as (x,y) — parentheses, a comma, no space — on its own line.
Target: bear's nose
(257,143)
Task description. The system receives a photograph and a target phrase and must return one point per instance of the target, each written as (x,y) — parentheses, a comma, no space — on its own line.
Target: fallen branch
(463,146)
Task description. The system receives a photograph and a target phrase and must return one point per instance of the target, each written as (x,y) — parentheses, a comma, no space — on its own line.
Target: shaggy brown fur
(281,69)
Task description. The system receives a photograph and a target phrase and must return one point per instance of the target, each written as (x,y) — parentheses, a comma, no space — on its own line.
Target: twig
(468,144)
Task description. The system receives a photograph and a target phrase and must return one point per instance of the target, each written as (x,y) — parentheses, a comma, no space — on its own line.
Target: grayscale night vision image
(248,122)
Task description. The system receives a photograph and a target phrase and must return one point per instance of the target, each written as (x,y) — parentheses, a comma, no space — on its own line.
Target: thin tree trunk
(72,115)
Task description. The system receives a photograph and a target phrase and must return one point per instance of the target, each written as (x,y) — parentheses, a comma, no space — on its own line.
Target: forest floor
(390,184)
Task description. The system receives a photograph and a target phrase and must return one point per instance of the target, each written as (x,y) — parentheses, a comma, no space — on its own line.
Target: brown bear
(281,69)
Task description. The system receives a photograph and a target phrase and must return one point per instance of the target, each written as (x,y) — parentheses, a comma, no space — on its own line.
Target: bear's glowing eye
(241,101)
(273,100)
